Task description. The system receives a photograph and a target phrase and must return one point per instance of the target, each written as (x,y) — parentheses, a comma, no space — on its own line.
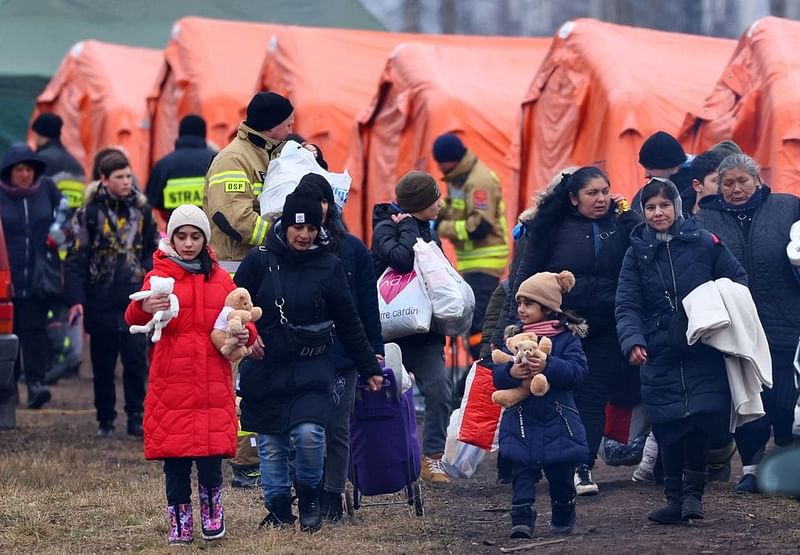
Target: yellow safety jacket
(184,190)
(474,219)
(72,189)
(232,185)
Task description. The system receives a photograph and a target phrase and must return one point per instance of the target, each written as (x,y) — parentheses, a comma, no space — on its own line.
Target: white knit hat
(188,214)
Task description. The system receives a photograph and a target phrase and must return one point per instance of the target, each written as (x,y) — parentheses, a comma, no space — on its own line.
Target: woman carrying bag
(287,396)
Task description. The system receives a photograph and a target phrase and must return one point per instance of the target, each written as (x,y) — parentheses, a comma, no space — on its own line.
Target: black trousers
(752,438)
(178,476)
(104,349)
(483,285)
(30,325)
(688,453)
(559,478)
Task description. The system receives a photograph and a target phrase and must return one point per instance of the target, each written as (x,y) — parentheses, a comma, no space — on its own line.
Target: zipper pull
(521,421)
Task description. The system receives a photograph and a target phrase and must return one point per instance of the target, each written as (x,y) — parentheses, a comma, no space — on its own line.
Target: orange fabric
(427,90)
(209,69)
(330,75)
(757,103)
(99,92)
(601,91)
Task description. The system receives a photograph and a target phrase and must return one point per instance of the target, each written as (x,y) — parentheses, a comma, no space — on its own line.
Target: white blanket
(722,315)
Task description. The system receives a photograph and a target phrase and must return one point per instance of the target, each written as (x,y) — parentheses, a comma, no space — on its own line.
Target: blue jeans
(308,439)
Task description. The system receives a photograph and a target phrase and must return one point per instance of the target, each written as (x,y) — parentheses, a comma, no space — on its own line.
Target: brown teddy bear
(525,346)
(236,314)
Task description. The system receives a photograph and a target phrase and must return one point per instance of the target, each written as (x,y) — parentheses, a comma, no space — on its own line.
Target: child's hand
(537,364)
(242,336)
(153,304)
(521,370)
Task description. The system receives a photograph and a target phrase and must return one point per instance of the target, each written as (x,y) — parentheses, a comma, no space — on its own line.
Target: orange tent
(99,92)
(426,90)
(330,75)
(209,68)
(757,103)
(602,90)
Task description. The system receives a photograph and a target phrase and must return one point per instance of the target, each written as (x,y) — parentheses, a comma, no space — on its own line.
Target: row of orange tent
(374,101)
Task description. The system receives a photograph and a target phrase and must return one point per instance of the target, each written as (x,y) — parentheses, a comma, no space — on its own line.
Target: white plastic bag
(393,358)
(285,172)
(460,460)
(403,303)
(452,298)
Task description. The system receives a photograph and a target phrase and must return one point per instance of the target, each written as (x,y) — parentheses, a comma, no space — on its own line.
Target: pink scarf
(546,328)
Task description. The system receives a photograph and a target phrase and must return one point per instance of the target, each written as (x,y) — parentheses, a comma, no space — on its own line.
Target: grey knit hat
(188,214)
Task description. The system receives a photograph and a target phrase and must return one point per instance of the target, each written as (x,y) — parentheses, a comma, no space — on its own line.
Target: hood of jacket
(645,244)
(384,211)
(17,153)
(95,190)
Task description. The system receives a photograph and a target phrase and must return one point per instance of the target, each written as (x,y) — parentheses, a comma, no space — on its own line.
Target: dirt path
(65,491)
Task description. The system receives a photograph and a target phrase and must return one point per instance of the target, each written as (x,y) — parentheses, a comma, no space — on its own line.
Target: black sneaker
(38,395)
(583,481)
(135,425)
(245,476)
(105,430)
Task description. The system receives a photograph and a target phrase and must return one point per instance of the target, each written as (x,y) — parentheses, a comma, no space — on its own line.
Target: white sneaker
(645,472)
(583,481)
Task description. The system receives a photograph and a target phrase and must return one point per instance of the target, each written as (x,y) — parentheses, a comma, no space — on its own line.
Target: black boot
(563,518)
(671,512)
(694,484)
(331,506)
(522,520)
(135,424)
(38,395)
(280,513)
(308,504)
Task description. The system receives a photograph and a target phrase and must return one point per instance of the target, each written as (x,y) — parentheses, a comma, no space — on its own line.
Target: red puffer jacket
(189,410)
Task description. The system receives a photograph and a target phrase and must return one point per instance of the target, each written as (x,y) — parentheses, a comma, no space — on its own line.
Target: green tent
(36,34)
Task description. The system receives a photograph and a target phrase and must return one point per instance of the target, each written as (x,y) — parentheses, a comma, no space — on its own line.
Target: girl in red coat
(189,411)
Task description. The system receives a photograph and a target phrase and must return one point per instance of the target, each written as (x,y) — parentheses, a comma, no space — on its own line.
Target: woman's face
(301,236)
(659,213)
(22,175)
(188,241)
(529,311)
(737,186)
(593,199)
(431,212)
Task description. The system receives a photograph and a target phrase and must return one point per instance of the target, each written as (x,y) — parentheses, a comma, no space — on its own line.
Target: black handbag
(307,340)
(47,280)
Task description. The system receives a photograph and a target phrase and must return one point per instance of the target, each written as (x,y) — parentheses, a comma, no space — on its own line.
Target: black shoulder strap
(273,269)
(92,221)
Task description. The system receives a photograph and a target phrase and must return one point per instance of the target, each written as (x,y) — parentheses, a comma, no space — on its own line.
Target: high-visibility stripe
(257,188)
(259,231)
(457,203)
(460,228)
(222,177)
(481,264)
(184,190)
(72,190)
(497,251)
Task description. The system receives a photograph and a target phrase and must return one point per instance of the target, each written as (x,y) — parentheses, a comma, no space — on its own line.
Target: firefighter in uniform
(473,218)
(62,167)
(230,200)
(179,177)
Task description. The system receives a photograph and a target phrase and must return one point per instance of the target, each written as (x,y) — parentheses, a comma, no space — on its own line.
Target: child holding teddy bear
(543,431)
(189,410)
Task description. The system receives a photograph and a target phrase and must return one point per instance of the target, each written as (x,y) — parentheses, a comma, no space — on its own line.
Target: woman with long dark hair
(581,227)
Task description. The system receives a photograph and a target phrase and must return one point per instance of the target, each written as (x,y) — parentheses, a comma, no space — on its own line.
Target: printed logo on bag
(393,284)
(300,218)
(480,200)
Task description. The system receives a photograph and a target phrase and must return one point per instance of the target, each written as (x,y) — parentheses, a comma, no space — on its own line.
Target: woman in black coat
(360,274)
(583,228)
(754,223)
(684,389)
(287,396)
(28,200)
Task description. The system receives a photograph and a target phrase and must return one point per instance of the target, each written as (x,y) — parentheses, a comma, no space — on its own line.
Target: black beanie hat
(48,125)
(416,191)
(661,151)
(302,208)
(313,182)
(192,125)
(266,110)
(448,148)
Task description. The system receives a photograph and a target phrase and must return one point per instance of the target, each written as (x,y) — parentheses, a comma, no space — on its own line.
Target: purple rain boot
(180,524)
(211,512)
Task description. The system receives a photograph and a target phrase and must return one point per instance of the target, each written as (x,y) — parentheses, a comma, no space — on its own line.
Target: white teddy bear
(158,286)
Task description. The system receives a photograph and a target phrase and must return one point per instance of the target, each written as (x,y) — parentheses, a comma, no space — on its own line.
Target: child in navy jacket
(545,433)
